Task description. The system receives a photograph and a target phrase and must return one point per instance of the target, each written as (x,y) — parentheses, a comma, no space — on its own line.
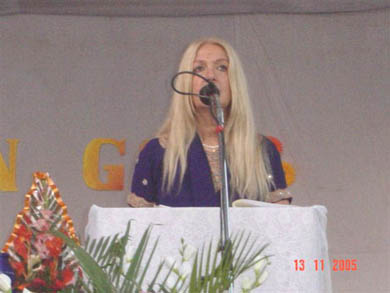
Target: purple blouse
(197,189)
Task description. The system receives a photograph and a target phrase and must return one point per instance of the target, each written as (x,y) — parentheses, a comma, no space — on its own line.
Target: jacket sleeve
(144,186)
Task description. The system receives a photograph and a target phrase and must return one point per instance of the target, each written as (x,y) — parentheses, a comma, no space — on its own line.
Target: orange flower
(289,172)
(21,287)
(41,175)
(54,246)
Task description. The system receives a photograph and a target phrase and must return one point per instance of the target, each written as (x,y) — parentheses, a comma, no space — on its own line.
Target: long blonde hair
(244,155)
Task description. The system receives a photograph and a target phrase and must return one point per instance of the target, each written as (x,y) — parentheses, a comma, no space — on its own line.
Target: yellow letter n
(115,173)
(8,175)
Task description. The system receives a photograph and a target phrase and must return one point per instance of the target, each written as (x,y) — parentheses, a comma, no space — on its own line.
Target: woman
(180,167)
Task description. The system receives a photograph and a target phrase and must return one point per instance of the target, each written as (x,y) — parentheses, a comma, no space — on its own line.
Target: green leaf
(130,281)
(153,282)
(148,263)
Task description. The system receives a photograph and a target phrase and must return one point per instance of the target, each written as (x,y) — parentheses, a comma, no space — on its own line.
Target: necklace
(211,148)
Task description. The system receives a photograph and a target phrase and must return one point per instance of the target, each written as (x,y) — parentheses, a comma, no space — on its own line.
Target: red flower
(277,143)
(54,246)
(23,232)
(57,285)
(20,248)
(18,267)
(27,219)
(37,283)
(53,270)
(67,276)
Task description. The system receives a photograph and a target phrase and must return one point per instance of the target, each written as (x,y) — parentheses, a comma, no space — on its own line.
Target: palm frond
(212,270)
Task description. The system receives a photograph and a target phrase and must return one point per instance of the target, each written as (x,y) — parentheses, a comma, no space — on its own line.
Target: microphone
(208,91)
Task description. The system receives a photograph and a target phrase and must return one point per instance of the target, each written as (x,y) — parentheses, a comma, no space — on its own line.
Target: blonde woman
(180,167)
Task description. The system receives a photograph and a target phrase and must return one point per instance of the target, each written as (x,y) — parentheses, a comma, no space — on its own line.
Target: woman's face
(212,62)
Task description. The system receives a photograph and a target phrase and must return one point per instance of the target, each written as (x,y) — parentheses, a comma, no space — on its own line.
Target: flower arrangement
(46,256)
(39,259)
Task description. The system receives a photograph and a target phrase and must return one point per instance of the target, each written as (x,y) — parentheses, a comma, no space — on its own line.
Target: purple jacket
(197,189)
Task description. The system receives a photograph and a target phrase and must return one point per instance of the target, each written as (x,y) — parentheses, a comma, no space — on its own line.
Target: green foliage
(217,275)
(213,268)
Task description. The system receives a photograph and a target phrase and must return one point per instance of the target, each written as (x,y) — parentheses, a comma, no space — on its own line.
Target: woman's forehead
(211,51)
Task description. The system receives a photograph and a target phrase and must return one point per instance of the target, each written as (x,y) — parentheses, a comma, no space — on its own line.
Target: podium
(296,236)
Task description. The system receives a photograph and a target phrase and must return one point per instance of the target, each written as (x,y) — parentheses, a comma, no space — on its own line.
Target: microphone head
(208,90)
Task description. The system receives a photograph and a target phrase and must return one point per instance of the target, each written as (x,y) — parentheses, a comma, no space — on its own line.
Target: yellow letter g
(115,173)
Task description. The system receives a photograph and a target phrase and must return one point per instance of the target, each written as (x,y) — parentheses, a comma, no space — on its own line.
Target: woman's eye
(198,68)
(222,68)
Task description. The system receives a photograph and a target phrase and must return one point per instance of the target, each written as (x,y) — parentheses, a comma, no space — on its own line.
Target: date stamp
(318,265)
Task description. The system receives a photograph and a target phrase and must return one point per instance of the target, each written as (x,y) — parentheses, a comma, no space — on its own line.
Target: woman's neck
(206,127)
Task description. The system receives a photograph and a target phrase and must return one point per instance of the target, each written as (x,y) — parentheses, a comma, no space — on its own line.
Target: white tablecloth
(294,233)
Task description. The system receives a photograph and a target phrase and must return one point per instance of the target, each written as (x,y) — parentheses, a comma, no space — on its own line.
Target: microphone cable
(184,93)
(205,99)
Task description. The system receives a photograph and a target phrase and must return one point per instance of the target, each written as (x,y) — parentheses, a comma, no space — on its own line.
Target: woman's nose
(210,74)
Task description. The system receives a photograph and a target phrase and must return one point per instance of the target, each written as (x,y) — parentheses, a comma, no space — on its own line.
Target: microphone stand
(224,194)
(211,92)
